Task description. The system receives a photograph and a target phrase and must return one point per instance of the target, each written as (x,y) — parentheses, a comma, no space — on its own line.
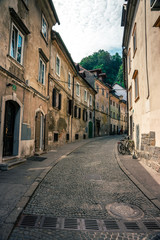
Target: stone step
(11,163)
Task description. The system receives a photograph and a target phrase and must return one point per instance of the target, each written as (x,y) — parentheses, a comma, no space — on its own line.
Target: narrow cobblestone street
(83,185)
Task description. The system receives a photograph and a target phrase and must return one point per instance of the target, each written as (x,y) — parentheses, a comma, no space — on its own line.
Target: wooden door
(8,136)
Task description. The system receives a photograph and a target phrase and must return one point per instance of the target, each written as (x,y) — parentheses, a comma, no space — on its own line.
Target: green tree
(102,59)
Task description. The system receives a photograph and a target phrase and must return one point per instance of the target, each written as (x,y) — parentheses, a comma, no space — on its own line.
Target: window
(56,99)
(102,108)
(97,105)
(110,113)
(130,97)
(97,88)
(107,110)
(134,40)
(129,60)
(69,107)
(90,100)
(117,116)
(102,91)
(77,89)
(77,112)
(85,95)
(42,67)
(58,66)
(85,115)
(17,42)
(114,104)
(113,114)
(106,94)
(136,84)
(55,137)
(110,102)
(44,27)
(67,137)
(69,80)
(90,115)
(117,105)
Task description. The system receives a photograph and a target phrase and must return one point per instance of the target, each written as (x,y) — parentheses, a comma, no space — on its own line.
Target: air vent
(28,221)
(151,225)
(91,225)
(70,223)
(131,225)
(111,224)
(49,222)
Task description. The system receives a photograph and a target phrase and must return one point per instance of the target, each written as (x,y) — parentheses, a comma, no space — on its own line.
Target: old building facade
(141,57)
(24,69)
(71,105)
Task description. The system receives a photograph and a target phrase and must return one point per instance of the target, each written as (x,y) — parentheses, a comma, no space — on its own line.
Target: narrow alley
(87,196)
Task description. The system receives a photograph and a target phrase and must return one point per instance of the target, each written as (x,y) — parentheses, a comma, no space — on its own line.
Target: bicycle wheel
(122,149)
(118,147)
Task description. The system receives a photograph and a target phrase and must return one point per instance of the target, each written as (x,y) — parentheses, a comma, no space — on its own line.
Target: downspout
(94,120)
(146,46)
(72,106)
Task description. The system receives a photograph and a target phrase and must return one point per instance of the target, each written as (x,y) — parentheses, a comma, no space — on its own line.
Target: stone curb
(147,193)
(17,211)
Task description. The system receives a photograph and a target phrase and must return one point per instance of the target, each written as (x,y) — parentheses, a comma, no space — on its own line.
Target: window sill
(41,85)
(14,61)
(136,99)
(44,38)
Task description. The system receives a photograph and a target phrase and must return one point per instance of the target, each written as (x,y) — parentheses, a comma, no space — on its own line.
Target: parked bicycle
(125,146)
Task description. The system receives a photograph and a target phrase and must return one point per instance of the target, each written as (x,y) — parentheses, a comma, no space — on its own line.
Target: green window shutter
(60,96)
(54,98)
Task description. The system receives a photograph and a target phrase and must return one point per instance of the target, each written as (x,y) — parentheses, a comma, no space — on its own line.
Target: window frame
(90,100)
(134,35)
(78,89)
(43,62)
(45,37)
(136,85)
(58,73)
(85,98)
(19,33)
(130,97)
(69,80)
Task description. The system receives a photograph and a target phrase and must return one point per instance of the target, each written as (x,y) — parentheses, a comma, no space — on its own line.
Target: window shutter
(79,113)
(86,116)
(70,106)
(75,111)
(83,114)
(60,96)
(54,98)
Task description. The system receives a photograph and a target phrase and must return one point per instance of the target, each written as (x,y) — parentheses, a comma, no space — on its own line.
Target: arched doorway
(90,129)
(11,129)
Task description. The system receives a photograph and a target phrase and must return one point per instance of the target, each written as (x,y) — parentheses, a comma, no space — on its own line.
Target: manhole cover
(124,211)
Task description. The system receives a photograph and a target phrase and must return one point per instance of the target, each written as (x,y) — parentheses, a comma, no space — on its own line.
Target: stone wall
(149,152)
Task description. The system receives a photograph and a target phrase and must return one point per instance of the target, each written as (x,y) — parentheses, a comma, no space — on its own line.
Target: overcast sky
(87,26)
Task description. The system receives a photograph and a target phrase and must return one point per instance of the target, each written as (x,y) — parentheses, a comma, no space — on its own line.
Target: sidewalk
(18,184)
(144,177)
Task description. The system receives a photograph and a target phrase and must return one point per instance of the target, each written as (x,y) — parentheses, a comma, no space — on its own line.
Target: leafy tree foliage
(111,65)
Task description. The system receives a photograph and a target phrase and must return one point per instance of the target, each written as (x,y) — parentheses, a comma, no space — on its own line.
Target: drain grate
(35,221)
(111,225)
(151,225)
(131,225)
(49,222)
(70,223)
(91,225)
(28,221)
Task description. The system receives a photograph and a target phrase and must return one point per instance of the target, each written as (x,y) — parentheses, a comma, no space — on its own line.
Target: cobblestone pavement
(81,186)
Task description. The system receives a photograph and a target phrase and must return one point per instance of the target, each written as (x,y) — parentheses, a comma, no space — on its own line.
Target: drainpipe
(146,52)
(72,105)
(94,119)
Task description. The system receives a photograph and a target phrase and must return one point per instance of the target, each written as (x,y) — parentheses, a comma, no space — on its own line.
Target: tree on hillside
(109,64)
